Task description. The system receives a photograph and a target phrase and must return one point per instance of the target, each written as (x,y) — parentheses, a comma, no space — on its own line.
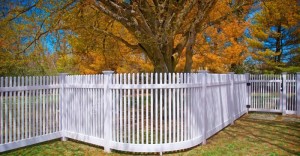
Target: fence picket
(14,110)
(165,108)
(129,110)
(181,108)
(115,115)
(185,106)
(156,110)
(138,109)
(121,111)
(22,113)
(133,119)
(160,110)
(142,109)
(2,112)
(177,108)
(169,106)
(35,92)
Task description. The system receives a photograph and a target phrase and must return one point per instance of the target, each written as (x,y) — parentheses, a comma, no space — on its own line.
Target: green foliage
(21,65)
(290,69)
(66,64)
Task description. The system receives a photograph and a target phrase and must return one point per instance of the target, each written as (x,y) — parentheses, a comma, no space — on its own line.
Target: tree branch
(23,11)
(117,38)
(179,20)
(107,8)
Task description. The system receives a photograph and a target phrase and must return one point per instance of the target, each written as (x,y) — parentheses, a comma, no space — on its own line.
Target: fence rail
(147,112)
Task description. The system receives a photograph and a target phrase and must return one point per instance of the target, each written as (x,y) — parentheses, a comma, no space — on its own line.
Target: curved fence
(154,112)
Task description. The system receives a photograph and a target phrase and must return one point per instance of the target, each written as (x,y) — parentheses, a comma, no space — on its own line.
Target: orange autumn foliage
(220,47)
(94,51)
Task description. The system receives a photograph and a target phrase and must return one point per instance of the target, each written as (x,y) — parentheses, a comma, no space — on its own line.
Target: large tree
(163,30)
(156,24)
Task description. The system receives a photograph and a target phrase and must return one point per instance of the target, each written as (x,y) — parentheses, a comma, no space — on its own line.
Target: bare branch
(23,11)
(53,27)
(107,8)
(142,21)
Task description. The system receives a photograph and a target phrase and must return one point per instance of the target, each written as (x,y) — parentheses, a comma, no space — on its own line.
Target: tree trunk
(189,60)
(189,50)
(161,56)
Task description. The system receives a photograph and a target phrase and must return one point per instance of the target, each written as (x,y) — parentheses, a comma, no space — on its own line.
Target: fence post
(248,92)
(62,113)
(107,110)
(203,75)
(232,92)
(298,93)
(284,93)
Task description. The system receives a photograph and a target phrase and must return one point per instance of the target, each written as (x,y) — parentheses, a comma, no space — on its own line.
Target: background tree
(221,47)
(275,34)
(24,27)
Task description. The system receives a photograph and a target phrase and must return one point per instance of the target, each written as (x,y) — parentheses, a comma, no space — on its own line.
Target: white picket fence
(128,112)
(29,110)
(275,93)
(151,112)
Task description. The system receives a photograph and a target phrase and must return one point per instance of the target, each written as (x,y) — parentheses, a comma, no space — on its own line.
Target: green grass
(253,134)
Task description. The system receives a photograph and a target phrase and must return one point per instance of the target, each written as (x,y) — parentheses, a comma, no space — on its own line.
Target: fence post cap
(106,72)
(202,71)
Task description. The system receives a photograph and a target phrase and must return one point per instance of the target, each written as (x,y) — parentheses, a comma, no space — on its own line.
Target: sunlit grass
(253,134)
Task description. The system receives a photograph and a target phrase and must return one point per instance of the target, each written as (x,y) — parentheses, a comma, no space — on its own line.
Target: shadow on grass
(279,134)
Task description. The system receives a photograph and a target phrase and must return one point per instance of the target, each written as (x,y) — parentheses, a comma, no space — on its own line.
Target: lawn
(253,134)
